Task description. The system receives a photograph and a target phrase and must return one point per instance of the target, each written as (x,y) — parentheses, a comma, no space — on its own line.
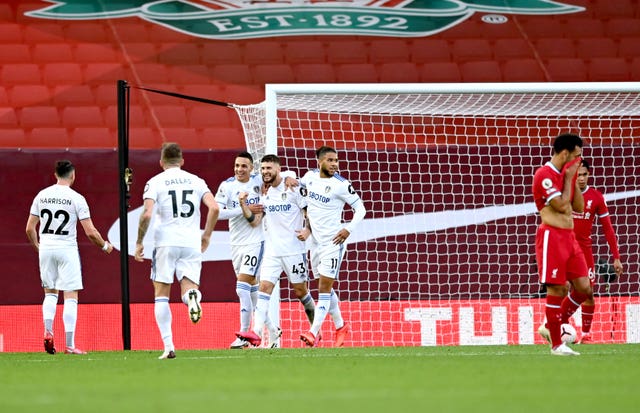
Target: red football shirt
(547,184)
(594,205)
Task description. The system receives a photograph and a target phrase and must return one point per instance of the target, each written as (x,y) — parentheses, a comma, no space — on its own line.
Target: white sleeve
(226,213)
(359,211)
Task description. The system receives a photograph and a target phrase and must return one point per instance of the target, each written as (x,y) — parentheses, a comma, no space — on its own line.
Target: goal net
(446,253)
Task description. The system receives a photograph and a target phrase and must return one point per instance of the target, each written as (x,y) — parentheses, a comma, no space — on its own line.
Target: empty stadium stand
(60,75)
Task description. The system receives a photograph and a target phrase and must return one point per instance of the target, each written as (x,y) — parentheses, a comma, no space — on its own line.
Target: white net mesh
(446,253)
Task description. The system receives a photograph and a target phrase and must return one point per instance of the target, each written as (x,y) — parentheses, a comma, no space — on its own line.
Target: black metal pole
(125,181)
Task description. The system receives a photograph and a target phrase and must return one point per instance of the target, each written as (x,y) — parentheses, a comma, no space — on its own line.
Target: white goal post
(446,253)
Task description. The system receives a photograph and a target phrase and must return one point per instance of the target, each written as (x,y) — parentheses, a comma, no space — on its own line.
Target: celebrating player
(178,243)
(57,209)
(558,254)
(247,241)
(327,192)
(594,205)
(285,250)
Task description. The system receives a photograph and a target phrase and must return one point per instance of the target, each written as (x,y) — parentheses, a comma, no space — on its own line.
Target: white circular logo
(494,18)
(547,183)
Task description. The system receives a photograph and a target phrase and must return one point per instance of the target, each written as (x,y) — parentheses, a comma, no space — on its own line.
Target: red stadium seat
(14,53)
(82,116)
(105,94)
(143,138)
(188,138)
(4,97)
(263,52)
(537,27)
(347,51)
(29,95)
(622,27)
(36,33)
(566,70)
(635,68)
(132,32)
(153,73)
(40,116)
(468,29)
(315,73)
(276,73)
(608,69)
(440,72)
(551,47)
(137,117)
(596,47)
(465,50)
(389,51)
(54,74)
(96,31)
(11,33)
(52,53)
(213,92)
(305,52)
(48,137)
(95,53)
(171,115)
(629,47)
(580,28)
(180,54)
(20,74)
(12,138)
(207,116)
(190,74)
(512,48)
(481,71)
(357,73)
(223,138)
(618,8)
(523,70)
(76,95)
(97,73)
(147,52)
(399,73)
(221,52)
(427,50)
(243,94)
(232,73)
(8,117)
(93,137)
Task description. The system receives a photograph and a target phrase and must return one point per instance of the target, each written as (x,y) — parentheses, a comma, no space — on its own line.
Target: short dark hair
(171,153)
(321,151)
(245,154)
(64,168)
(271,158)
(585,163)
(566,141)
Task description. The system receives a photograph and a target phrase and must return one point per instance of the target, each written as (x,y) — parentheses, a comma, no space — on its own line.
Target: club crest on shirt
(284,196)
(256,189)
(547,183)
(244,19)
(327,189)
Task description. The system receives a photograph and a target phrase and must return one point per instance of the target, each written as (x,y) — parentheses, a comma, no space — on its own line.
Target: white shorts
(294,266)
(247,258)
(326,260)
(181,261)
(60,269)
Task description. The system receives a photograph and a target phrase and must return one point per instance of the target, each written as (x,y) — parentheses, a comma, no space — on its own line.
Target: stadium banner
(395,323)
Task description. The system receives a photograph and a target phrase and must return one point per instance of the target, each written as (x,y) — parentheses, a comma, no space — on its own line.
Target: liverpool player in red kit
(594,205)
(559,257)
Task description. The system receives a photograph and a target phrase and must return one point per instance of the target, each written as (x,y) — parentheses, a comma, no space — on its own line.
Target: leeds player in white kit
(327,192)
(247,240)
(282,220)
(57,209)
(176,195)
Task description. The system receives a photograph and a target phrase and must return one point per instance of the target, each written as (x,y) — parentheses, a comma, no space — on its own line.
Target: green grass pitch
(374,379)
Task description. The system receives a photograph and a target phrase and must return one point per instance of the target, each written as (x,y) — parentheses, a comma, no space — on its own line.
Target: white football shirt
(240,231)
(283,216)
(59,208)
(326,198)
(177,195)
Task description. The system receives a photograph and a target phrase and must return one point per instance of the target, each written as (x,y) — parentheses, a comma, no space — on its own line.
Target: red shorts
(560,258)
(588,256)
